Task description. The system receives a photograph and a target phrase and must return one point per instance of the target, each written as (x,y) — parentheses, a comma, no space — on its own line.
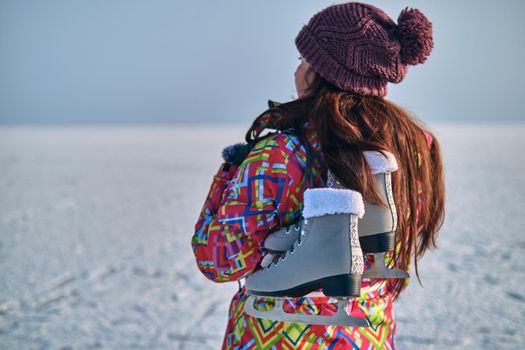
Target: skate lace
(297,226)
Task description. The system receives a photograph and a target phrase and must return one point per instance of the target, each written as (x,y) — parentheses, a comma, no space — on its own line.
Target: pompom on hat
(359,48)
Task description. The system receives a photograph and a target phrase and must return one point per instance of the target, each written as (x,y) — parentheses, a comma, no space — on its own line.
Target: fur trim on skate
(324,201)
(378,163)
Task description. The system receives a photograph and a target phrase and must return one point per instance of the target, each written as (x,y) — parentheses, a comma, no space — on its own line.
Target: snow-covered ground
(95,228)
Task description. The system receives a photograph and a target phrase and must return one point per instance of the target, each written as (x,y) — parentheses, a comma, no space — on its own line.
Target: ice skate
(376,229)
(278,242)
(326,254)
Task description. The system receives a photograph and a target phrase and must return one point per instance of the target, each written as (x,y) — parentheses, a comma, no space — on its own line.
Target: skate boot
(376,229)
(326,254)
(278,242)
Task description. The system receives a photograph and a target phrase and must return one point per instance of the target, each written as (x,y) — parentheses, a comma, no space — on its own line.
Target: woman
(349,52)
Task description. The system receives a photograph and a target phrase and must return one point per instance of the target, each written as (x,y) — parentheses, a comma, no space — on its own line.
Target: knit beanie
(359,48)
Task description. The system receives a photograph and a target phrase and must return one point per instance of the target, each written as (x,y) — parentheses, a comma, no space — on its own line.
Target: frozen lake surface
(96,222)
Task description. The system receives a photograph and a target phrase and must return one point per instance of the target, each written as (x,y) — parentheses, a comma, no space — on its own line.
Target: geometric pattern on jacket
(246,203)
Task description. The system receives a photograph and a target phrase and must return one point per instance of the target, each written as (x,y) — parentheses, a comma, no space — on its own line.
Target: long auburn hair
(347,124)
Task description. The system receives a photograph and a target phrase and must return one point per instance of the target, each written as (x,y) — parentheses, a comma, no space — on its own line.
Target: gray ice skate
(376,229)
(326,254)
(278,242)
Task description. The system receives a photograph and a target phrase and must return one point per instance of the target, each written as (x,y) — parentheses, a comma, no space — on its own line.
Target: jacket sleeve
(263,194)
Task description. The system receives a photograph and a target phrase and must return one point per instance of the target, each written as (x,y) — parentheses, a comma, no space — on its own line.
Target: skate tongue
(329,201)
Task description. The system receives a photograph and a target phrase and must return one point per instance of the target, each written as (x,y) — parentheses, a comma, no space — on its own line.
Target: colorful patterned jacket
(247,202)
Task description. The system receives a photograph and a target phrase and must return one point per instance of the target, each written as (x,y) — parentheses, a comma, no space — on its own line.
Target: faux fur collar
(324,201)
(378,163)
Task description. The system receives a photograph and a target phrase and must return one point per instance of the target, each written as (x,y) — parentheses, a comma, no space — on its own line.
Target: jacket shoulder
(285,142)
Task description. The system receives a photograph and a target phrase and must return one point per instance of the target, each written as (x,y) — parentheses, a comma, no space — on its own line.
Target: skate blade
(340,318)
(381,271)
(385,273)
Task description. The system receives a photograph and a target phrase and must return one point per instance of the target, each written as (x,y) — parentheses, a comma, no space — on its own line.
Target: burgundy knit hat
(358,48)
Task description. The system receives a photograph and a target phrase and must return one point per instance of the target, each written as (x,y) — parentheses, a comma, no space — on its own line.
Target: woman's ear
(310,75)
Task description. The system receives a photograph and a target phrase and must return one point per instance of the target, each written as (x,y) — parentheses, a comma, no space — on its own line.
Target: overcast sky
(126,61)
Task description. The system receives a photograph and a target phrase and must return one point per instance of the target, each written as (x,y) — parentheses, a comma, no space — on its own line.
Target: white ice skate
(326,254)
(376,229)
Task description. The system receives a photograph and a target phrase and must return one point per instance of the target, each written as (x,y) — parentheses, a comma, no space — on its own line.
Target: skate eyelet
(297,228)
(306,221)
(303,233)
(299,244)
